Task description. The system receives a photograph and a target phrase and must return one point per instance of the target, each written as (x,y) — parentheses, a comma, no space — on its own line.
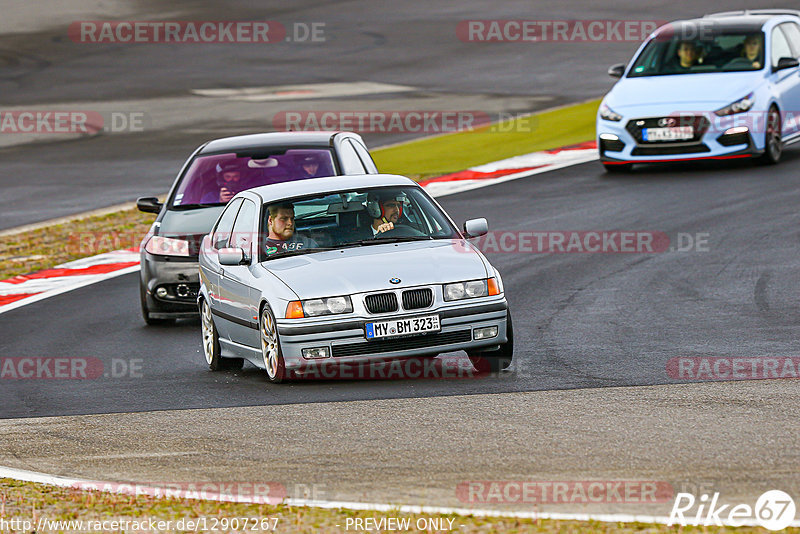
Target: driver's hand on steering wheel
(385,227)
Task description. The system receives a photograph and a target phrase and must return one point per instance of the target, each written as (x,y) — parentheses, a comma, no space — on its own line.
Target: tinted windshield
(215,179)
(720,52)
(352,218)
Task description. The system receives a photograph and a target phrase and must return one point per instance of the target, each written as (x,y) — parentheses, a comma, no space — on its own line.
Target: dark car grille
(381,303)
(668,150)
(389,345)
(699,123)
(415,299)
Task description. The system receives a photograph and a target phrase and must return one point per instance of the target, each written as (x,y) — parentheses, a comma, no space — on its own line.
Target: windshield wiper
(286,253)
(384,240)
(195,206)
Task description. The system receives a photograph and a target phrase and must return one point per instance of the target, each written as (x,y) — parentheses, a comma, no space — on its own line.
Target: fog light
(736,130)
(316,353)
(182,290)
(609,137)
(485,333)
(161,292)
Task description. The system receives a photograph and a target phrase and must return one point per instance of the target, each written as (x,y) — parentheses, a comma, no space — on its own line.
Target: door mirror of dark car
(616,71)
(476,227)
(786,63)
(149,204)
(231,256)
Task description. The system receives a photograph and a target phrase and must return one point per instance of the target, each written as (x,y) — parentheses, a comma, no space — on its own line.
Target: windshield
(720,52)
(214,180)
(349,219)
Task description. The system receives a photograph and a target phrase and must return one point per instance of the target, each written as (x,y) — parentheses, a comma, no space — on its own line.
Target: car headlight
(167,246)
(606,113)
(740,106)
(471,289)
(319,307)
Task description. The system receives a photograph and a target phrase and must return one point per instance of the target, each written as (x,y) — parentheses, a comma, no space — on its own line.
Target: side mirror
(616,71)
(231,256)
(475,227)
(786,63)
(149,204)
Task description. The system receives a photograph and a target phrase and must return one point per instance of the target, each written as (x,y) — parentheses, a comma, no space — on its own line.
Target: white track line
(131,489)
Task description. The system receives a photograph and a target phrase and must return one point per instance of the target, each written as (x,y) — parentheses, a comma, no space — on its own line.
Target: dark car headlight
(167,246)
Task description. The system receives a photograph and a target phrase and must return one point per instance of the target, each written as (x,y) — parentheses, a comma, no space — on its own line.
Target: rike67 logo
(774,510)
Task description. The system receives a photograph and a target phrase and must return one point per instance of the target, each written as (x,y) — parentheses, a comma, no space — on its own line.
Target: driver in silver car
(386,210)
(282,236)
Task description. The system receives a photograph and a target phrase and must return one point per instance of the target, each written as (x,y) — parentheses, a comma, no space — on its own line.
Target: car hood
(682,92)
(369,268)
(189,225)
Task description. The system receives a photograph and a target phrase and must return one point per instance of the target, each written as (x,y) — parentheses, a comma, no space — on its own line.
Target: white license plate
(679,133)
(403,327)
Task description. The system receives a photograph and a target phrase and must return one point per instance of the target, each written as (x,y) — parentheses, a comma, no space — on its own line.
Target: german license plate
(679,133)
(403,327)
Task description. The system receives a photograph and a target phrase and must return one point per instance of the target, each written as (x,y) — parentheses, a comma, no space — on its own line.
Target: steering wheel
(400,231)
(738,62)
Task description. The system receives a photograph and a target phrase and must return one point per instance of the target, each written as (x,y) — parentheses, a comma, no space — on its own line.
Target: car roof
(722,22)
(271,139)
(276,192)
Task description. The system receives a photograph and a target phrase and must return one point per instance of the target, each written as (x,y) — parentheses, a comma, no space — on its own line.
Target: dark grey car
(169,280)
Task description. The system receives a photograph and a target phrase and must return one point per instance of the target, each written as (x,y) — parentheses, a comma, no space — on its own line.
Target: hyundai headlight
(606,113)
(740,106)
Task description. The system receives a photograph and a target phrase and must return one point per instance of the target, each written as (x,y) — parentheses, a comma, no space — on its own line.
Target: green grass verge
(26,501)
(457,151)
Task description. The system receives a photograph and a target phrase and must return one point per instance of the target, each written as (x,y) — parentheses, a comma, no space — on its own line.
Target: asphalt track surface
(416,45)
(587,325)
(589,396)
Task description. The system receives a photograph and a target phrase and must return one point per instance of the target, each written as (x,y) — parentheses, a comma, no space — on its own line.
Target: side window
(366,159)
(242,235)
(792,32)
(349,160)
(223,230)
(780,46)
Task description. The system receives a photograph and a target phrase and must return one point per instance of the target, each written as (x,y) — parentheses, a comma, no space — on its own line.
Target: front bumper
(180,278)
(347,342)
(622,142)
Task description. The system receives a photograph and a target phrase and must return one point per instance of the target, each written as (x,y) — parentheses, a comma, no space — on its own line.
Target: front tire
(500,359)
(271,347)
(773,143)
(211,348)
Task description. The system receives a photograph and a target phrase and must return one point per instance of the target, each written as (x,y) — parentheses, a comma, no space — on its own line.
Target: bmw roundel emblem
(395,280)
